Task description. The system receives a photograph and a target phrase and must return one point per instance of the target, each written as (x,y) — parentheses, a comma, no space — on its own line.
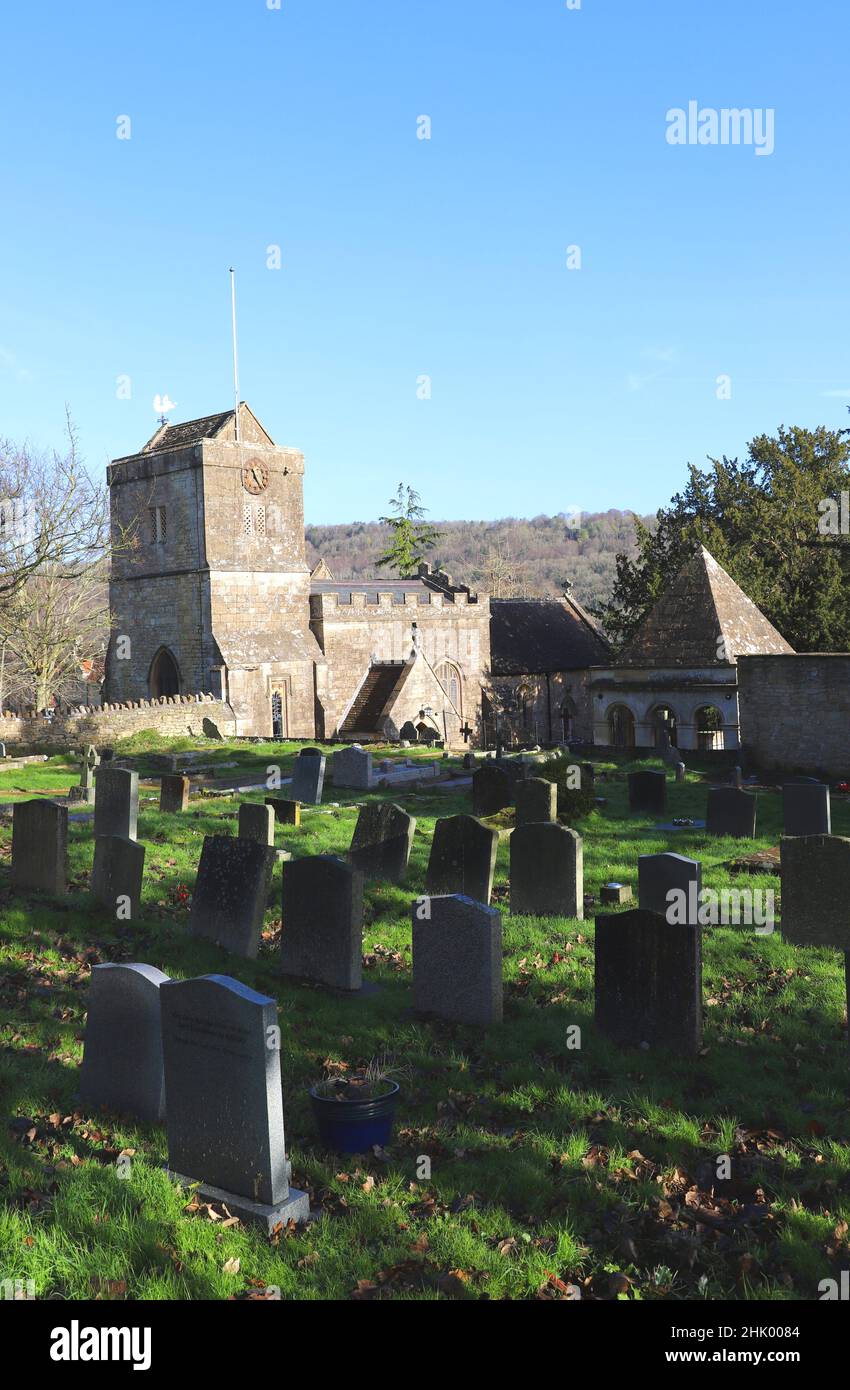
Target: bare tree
(502,574)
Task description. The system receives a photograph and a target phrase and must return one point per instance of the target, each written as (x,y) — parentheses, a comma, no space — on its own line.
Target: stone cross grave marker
(547,871)
(731,812)
(648,981)
(231,892)
(536,800)
(256,822)
(457,960)
(352,767)
(224,1105)
(462,859)
(321,937)
(117,875)
(383,836)
(647,791)
(116,804)
(308,778)
(492,790)
(806,808)
(40,846)
(122,1059)
(173,794)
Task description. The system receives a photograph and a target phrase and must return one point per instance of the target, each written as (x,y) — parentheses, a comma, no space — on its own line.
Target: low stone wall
(795,713)
(103,725)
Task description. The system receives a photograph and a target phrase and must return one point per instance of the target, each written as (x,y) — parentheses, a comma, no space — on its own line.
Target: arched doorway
(663,720)
(164,678)
(621,727)
(709,722)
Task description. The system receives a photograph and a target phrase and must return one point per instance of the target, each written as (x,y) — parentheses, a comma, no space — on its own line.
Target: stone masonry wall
(101,726)
(795,713)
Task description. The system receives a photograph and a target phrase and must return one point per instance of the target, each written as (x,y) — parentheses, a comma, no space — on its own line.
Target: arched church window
(449,677)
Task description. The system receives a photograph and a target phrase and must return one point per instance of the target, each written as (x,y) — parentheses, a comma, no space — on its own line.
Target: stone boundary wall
(795,713)
(103,724)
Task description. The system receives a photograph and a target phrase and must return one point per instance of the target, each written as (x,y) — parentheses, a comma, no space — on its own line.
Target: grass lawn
(549,1166)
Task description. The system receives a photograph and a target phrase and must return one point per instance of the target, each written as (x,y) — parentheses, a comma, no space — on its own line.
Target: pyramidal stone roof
(702,619)
(221,426)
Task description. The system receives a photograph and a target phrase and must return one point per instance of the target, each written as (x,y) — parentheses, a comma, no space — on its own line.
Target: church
(214,594)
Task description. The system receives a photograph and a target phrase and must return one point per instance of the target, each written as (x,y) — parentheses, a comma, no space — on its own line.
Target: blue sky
(551,389)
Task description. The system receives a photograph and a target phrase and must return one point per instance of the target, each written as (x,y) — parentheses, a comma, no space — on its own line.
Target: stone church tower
(214,594)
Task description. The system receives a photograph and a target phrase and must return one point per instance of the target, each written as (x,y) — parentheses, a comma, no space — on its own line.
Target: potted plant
(355,1113)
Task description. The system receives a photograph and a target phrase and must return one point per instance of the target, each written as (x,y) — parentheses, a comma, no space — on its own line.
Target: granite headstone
(321,936)
(547,871)
(231,892)
(122,1058)
(648,981)
(383,836)
(457,960)
(462,859)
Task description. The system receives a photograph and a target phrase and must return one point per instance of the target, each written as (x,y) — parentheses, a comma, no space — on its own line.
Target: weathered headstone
(647,791)
(116,805)
(547,871)
(210,729)
(660,875)
(648,981)
(231,892)
(224,1104)
(731,812)
(383,836)
(680,772)
(462,859)
(816,890)
(321,937)
(173,794)
(806,808)
(40,846)
(536,800)
(457,960)
(308,778)
(122,1059)
(285,812)
(492,790)
(352,767)
(117,875)
(256,822)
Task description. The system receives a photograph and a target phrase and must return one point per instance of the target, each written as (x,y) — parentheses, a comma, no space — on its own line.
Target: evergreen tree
(411,535)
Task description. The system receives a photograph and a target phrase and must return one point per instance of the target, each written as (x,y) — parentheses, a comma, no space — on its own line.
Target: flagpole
(235,350)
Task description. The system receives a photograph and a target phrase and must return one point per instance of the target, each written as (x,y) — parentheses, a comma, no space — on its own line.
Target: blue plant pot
(354,1126)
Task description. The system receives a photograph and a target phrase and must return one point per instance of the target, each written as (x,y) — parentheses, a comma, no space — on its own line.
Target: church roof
(702,619)
(220,426)
(536,635)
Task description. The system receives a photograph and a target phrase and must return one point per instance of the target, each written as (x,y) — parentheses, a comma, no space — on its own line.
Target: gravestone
(210,729)
(680,772)
(352,767)
(648,981)
(256,823)
(85,790)
(731,812)
(536,800)
(806,808)
(285,812)
(547,871)
(173,794)
(122,1058)
(457,960)
(231,892)
(662,874)
(40,846)
(383,836)
(469,761)
(2,749)
(492,790)
(408,733)
(116,805)
(614,894)
(321,938)
(647,791)
(117,874)
(308,778)
(815,875)
(462,859)
(224,1105)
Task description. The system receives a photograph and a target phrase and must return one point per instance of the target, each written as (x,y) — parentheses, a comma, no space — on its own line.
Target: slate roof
(193,431)
(529,636)
(701,606)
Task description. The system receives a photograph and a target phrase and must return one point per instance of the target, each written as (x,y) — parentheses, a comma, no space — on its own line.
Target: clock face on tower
(255,476)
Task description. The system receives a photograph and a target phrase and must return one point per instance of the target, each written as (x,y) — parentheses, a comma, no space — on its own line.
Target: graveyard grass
(550,1166)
